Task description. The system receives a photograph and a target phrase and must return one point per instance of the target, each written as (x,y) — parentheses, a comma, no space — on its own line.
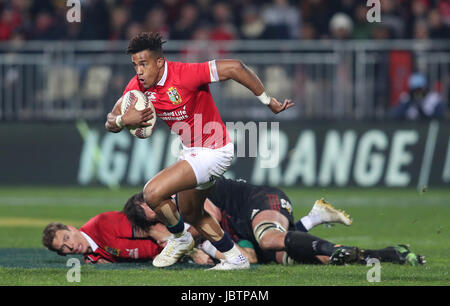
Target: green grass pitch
(382,217)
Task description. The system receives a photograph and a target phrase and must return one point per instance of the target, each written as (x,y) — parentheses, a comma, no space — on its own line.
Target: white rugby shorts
(208,163)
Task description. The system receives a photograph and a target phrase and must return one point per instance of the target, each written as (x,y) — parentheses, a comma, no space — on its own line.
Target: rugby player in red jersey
(181,97)
(107,237)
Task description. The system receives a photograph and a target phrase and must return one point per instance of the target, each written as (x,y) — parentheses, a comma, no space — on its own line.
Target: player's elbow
(232,69)
(265,244)
(237,67)
(273,240)
(154,194)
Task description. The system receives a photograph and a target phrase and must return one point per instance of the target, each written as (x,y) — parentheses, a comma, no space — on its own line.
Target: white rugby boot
(328,214)
(174,250)
(239,262)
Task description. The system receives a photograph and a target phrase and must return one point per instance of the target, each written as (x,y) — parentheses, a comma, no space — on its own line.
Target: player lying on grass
(107,237)
(259,219)
(111,237)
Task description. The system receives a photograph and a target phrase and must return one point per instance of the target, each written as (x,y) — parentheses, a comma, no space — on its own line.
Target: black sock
(300,227)
(177,228)
(304,248)
(225,244)
(388,254)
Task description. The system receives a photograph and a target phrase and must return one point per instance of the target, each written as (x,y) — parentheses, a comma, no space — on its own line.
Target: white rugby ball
(141,103)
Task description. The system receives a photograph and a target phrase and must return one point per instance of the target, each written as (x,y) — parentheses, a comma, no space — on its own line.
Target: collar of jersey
(92,243)
(164,77)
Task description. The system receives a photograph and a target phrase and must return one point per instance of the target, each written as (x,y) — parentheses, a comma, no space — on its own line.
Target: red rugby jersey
(183,100)
(113,233)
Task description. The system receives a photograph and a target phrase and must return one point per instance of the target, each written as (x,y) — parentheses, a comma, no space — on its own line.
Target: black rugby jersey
(240,201)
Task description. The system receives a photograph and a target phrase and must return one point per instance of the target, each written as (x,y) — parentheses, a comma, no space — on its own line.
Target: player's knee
(238,65)
(272,240)
(153,195)
(269,235)
(265,243)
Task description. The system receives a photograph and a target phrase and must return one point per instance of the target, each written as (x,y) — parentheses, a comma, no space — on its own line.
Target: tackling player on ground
(135,234)
(263,216)
(181,97)
(129,235)
(260,220)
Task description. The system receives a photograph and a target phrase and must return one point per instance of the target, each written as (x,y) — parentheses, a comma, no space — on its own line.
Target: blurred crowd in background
(224,20)
(407,84)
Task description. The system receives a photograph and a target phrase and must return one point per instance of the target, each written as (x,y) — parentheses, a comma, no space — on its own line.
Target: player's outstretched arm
(115,121)
(239,72)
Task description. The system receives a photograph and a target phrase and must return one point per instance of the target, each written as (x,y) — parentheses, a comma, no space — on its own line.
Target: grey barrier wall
(320,154)
(71,80)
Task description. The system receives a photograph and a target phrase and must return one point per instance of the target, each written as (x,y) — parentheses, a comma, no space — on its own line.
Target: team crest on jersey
(174,96)
(112,251)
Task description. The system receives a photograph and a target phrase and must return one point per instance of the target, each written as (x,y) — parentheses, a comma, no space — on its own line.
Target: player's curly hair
(146,41)
(135,213)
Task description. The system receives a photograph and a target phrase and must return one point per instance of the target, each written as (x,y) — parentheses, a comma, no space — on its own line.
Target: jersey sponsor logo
(174,96)
(112,251)
(151,96)
(178,115)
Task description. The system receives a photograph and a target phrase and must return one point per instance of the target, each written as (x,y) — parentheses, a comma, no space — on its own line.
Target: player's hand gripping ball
(141,103)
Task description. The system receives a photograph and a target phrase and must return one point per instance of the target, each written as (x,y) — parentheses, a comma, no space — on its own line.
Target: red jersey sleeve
(194,75)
